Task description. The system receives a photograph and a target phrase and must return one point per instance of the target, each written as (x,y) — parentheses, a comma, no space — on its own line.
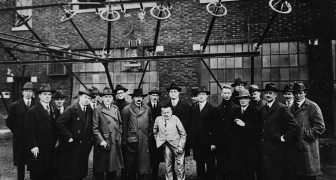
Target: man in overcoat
(256,100)
(237,85)
(156,155)
(41,137)
(59,99)
(288,95)
(15,122)
(137,127)
(74,127)
(309,117)
(224,115)
(201,136)
(107,128)
(279,131)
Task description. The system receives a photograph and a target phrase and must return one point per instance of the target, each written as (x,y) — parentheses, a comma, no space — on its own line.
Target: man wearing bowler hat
(201,135)
(41,136)
(137,128)
(59,99)
(74,127)
(194,98)
(309,117)
(156,155)
(15,122)
(279,131)
(288,95)
(256,100)
(95,95)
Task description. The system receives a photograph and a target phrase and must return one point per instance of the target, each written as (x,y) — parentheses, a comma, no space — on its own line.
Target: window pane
(229,62)
(293,47)
(275,60)
(238,62)
(229,75)
(266,48)
(238,48)
(284,74)
(239,73)
(131,77)
(221,48)
(294,74)
(302,47)
(275,49)
(213,88)
(247,62)
(213,49)
(206,62)
(304,73)
(257,74)
(221,62)
(214,72)
(293,60)
(152,65)
(266,73)
(303,60)
(213,63)
(275,74)
(205,77)
(257,62)
(266,61)
(284,60)
(221,75)
(247,74)
(229,48)
(284,48)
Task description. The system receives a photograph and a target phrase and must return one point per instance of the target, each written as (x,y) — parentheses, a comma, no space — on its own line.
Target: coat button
(80,142)
(78,119)
(146,139)
(108,122)
(78,131)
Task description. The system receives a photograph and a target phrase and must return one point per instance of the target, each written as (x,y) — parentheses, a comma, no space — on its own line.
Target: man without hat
(256,100)
(107,128)
(309,117)
(224,116)
(279,131)
(120,102)
(15,122)
(288,95)
(243,139)
(137,128)
(59,99)
(156,155)
(74,127)
(201,135)
(41,136)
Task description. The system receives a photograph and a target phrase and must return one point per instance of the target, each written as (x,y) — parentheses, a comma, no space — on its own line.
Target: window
(24,12)
(280,62)
(93,74)
(56,69)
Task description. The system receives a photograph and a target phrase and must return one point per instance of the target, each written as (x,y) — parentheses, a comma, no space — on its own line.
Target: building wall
(245,22)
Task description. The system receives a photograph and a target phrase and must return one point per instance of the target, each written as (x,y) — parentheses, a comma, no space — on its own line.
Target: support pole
(108,46)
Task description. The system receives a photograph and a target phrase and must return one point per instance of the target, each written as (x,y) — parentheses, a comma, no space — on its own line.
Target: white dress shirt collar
(175,101)
(270,104)
(301,102)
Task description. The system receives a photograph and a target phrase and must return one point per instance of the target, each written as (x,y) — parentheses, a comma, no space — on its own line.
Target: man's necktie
(242,111)
(28,103)
(108,107)
(48,109)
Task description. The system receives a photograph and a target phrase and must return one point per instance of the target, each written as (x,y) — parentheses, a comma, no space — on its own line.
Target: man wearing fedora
(193,95)
(243,137)
(309,117)
(156,155)
(95,95)
(120,102)
(288,95)
(74,127)
(224,115)
(237,85)
(256,100)
(59,99)
(201,136)
(41,136)
(279,131)
(107,128)
(15,122)
(137,128)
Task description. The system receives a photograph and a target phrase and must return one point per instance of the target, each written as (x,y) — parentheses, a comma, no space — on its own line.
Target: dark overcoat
(243,142)
(311,126)
(107,126)
(183,111)
(40,130)
(277,121)
(15,122)
(72,157)
(137,128)
(201,129)
(121,104)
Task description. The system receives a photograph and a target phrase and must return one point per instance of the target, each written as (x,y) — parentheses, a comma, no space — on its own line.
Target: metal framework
(95,58)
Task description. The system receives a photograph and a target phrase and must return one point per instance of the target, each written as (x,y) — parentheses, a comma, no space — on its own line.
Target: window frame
(23,12)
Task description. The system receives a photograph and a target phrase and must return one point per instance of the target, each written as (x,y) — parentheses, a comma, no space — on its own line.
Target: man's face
(202,97)
(107,99)
(137,100)
(27,93)
(45,97)
(84,99)
(256,96)
(94,99)
(226,93)
(288,96)
(270,96)
(120,94)
(299,96)
(244,102)
(194,99)
(174,93)
(166,113)
(59,102)
(238,87)
(154,97)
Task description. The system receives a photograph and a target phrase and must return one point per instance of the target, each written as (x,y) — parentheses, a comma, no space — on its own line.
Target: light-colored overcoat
(137,127)
(107,127)
(311,126)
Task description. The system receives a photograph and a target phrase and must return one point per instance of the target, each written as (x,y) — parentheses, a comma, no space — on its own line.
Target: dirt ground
(8,171)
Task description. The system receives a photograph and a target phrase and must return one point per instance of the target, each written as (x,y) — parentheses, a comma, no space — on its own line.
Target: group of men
(246,136)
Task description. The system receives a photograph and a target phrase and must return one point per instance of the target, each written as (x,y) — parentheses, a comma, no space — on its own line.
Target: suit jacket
(277,121)
(182,111)
(15,122)
(173,132)
(311,123)
(73,156)
(40,130)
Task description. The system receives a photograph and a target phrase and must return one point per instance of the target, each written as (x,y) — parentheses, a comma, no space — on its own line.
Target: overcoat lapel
(80,113)
(43,111)
(108,112)
(303,107)
(270,111)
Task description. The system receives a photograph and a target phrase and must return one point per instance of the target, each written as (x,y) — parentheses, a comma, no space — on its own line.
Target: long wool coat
(15,122)
(73,157)
(107,126)
(40,130)
(136,130)
(311,123)
(277,121)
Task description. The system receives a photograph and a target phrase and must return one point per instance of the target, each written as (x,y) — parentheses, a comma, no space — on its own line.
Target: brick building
(300,46)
